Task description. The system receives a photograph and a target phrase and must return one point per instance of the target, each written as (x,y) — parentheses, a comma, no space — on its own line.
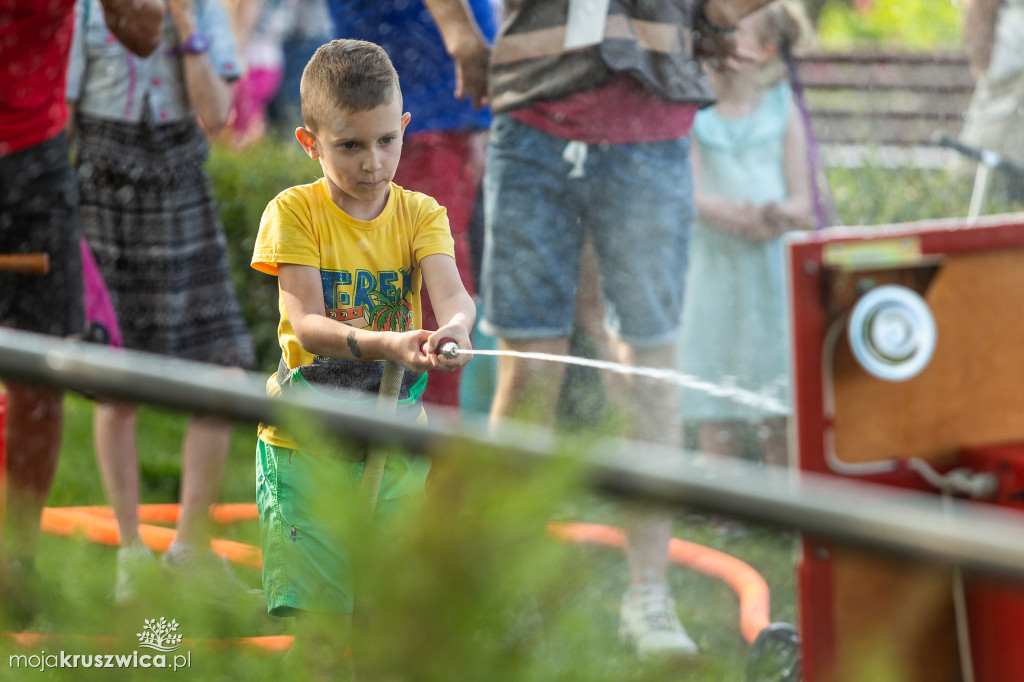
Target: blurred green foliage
(244,182)
(914,25)
(877,195)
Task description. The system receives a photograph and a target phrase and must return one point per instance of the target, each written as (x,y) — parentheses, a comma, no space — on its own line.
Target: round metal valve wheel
(892,333)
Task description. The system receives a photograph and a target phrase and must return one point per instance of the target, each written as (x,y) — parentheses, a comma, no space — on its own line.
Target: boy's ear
(308,142)
(406,117)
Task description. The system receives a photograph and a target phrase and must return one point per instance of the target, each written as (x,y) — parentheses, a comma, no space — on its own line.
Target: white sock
(638,591)
(135,549)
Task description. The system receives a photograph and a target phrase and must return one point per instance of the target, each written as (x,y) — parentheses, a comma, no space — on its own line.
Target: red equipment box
(865,617)
(3,436)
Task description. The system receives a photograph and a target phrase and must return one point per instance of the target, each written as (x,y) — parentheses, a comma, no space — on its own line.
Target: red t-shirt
(35,38)
(621,111)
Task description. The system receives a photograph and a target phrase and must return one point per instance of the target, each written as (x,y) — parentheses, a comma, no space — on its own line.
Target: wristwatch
(197,43)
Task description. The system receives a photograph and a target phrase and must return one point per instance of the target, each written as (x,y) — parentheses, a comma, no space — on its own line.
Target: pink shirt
(621,111)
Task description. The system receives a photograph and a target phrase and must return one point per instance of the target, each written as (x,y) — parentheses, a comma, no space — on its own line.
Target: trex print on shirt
(365,300)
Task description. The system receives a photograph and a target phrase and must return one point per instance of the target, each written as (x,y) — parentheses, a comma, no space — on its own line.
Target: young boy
(350,252)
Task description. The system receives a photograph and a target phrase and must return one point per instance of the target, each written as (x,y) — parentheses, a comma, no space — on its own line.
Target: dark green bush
(872,195)
(244,182)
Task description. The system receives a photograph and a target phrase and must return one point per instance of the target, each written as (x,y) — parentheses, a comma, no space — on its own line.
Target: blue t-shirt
(405,29)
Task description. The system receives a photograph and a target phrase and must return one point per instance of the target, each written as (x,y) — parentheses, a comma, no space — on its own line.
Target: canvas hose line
(373,468)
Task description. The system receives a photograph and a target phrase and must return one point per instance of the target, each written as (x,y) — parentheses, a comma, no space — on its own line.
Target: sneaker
(214,570)
(132,562)
(648,620)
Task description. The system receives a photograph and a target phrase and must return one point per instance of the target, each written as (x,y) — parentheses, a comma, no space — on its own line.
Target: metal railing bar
(908,524)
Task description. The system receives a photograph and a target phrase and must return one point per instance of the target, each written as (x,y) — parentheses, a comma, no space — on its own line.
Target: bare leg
(649,533)
(204,454)
(114,434)
(527,390)
(652,415)
(648,615)
(34,427)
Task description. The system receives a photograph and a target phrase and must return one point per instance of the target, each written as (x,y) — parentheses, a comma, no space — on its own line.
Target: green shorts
(305,502)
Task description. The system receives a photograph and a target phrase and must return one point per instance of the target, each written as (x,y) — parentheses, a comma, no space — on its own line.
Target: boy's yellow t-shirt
(369,269)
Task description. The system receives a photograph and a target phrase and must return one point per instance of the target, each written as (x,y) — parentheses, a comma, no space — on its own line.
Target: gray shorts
(543,193)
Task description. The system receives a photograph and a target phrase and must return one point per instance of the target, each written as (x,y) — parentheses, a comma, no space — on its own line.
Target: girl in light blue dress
(753,184)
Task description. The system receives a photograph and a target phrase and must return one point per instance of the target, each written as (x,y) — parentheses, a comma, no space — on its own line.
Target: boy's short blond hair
(346,75)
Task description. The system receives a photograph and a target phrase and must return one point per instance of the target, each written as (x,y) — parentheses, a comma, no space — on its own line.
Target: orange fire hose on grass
(97,524)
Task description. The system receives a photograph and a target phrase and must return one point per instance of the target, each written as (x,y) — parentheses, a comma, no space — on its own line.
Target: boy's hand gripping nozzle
(448,349)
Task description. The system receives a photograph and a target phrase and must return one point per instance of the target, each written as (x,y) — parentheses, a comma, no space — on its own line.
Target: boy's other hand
(416,350)
(407,349)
